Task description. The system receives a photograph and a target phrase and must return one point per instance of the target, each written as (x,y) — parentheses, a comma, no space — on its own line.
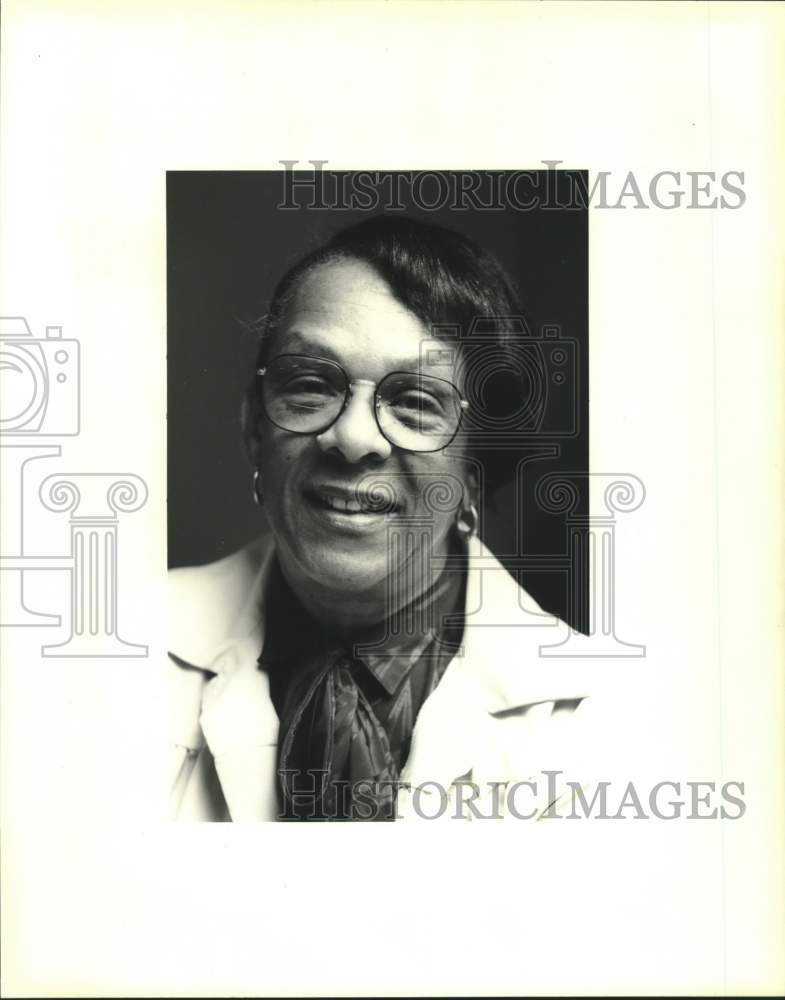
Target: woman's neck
(345,610)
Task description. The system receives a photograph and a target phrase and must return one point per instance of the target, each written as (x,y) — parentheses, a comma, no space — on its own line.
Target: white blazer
(503,714)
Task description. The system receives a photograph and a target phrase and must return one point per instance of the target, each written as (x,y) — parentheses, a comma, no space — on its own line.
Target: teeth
(350,506)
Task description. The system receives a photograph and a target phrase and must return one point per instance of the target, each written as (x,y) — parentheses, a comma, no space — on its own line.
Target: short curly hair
(446,280)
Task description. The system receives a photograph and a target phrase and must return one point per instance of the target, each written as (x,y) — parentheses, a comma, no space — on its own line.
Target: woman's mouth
(347,508)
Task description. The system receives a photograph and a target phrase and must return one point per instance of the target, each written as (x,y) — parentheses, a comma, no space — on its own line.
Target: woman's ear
(472,484)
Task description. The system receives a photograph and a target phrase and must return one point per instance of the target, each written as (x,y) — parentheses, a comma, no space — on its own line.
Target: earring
(466,521)
(257,493)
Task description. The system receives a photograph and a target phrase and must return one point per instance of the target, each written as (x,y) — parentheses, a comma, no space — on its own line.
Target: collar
(504,632)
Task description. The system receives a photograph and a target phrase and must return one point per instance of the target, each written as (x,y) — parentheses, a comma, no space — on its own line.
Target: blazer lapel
(237,716)
(499,673)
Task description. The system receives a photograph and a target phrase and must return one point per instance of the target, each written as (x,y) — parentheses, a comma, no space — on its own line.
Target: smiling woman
(346,420)
(360,645)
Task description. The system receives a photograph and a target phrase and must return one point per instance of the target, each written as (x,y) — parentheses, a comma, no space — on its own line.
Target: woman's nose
(355,434)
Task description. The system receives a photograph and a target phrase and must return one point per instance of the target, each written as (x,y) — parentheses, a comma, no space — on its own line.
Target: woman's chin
(350,573)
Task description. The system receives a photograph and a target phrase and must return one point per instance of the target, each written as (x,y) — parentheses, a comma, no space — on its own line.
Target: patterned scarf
(347,708)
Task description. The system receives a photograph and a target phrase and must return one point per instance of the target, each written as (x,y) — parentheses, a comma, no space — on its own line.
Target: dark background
(228,244)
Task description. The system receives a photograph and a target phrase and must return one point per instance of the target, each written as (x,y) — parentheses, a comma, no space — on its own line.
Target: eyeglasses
(415,412)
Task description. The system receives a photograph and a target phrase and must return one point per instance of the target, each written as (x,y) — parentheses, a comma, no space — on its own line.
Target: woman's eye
(309,385)
(417,402)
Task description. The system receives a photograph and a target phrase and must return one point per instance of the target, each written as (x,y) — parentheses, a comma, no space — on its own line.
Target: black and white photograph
(392,519)
(369,558)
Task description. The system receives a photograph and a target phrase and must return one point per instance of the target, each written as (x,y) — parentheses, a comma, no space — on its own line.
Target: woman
(365,643)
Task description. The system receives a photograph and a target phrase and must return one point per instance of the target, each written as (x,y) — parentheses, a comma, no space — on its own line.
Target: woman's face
(345,312)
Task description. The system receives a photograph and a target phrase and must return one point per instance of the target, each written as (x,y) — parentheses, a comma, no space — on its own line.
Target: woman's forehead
(345,310)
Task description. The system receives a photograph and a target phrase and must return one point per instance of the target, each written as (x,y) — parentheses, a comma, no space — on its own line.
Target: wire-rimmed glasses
(413,411)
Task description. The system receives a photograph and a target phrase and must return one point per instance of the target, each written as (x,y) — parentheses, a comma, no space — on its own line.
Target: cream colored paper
(100,894)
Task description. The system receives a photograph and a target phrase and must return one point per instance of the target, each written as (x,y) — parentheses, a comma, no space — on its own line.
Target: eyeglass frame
(463,403)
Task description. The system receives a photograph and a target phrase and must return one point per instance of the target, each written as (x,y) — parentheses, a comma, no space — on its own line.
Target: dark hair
(442,277)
